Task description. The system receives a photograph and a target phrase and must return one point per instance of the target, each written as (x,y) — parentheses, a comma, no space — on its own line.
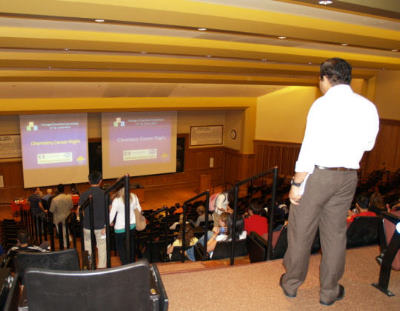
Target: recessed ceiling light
(99,20)
(202,29)
(344,44)
(395,50)
(326,2)
(282,37)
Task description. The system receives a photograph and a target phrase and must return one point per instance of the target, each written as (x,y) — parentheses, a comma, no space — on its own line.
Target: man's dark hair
(337,71)
(255,208)
(95,177)
(60,188)
(23,236)
(363,201)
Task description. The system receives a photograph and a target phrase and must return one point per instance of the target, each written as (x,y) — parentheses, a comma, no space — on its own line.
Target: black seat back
(363,231)
(281,244)
(60,260)
(223,249)
(121,288)
(257,247)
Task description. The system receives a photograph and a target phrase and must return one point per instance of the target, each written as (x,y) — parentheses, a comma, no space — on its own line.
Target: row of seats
(363,231)
(53,281)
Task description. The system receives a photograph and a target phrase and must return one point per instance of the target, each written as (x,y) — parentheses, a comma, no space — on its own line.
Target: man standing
(61,206)
(98,194)
(341,125)
(36,203)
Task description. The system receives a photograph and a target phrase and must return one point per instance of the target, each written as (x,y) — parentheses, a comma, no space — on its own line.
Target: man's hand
(294,195)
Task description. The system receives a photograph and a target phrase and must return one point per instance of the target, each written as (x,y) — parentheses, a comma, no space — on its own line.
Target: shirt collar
(339,88)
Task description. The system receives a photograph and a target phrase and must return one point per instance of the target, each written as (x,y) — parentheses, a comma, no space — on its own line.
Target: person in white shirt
(341,126)
(118,212)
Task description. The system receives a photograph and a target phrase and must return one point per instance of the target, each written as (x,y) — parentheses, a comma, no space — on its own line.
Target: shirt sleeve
(53,206)
(136,201)
(306,161)
(373,128)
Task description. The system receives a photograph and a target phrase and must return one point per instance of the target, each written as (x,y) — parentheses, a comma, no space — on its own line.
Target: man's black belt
(335,168)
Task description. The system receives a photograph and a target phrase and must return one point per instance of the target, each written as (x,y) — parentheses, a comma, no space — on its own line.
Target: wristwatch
(296,184)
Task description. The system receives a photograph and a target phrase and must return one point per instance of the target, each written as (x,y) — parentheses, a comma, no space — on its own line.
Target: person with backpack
(219,203)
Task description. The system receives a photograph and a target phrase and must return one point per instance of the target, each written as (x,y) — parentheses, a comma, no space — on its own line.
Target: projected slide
(54,149)
(138,143)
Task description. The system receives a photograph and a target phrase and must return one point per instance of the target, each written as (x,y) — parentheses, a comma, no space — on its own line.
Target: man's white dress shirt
(341,125)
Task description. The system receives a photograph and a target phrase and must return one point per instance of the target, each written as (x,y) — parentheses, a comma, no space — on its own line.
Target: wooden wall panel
(269,154)
(386,153)
(13,181)
(238,166)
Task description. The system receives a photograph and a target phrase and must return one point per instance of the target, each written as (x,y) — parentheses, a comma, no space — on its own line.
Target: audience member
(221,205)
(118,212)
(61,207)
(376,201)
(74,189)
(46,199)
(362,204)
(255,222)
(201,211)
(36,203)
(99,209)
(190,240)
(23,245)
(224,232)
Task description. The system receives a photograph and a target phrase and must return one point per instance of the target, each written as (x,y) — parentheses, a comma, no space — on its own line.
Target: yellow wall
(281,115)
(387,96)
(234,121)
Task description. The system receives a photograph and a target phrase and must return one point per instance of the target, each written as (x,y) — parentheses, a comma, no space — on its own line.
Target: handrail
(391,217)
(271,214)
(183,225)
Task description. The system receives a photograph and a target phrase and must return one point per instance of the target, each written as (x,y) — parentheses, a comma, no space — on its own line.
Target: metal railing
(274,171)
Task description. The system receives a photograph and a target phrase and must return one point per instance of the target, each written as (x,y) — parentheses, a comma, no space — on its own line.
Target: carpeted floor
(255,287)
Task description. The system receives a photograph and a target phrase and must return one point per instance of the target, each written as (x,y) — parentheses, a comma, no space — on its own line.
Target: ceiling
(54,48)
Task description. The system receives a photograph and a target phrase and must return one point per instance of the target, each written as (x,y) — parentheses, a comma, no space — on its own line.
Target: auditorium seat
(59,260)
(223,250)
(257,245)
(134,286)
(363,231)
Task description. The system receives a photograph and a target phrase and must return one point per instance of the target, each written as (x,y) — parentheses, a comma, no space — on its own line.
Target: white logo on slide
(31,127)
(118,122)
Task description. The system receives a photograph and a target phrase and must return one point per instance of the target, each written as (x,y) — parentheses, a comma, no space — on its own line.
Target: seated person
(361,209)
(23,245)
(201,211)
(190,240)
(223,232)
(255,222)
